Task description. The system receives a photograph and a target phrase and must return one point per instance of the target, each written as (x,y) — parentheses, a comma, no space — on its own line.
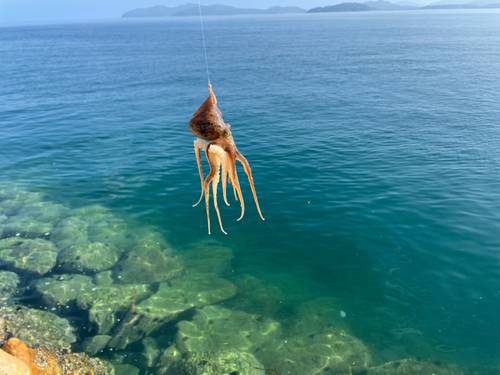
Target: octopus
(221,152)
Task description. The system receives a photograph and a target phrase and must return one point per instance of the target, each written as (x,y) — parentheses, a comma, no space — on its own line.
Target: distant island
(192,9)
(207,10)
(344,7)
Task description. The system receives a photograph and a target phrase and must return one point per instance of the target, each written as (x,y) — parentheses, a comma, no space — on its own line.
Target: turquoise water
(373,140)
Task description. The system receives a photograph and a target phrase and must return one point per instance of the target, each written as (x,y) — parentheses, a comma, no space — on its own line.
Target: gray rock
(147,264)
(106,303)
(173,298)
(95,344)
(215,363)
(88,257)
(330,352)
(38,328)
(215,328)
(61,291)
(38,256)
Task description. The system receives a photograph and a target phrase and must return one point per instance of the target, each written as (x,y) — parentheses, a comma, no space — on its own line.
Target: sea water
(373,139)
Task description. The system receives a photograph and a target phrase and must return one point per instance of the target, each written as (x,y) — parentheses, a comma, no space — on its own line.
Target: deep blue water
(373,139)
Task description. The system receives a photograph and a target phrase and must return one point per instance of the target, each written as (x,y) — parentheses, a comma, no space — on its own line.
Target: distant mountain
(411,4)
(344,7)
(209,10)
(462,6)
(385,5)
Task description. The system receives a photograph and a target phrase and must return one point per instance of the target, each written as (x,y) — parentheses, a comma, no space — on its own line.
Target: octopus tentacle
(248,171)
(234,178)
(224,163)
(215,156)
(200,169)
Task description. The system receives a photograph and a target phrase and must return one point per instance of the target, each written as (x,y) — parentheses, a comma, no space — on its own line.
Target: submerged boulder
(205,257)
(215,328)
(37,256)
(37,328)
(332,351)
(172,298)
(62,290)
(415,366)
(215,363)
(68,231)
(106,304)
(8,284)
(146,263)
(88,257)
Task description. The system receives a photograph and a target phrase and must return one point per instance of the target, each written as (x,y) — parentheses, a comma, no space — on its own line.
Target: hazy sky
(14,11)
(48,10)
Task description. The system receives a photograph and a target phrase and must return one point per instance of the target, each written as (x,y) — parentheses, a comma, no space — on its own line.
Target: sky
(26,11)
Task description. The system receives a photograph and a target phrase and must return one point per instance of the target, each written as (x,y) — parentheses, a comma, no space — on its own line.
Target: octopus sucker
(215,138)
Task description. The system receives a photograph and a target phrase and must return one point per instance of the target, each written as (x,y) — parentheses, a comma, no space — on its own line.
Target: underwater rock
(11,365)
(93,345)
(8,284)
(90,214)
(150,353)
(104,278)
(37,328)
(255,297)
(62,290)
(205,257)
(12,199)
(215,363)
(88,257)
(111,231)
(310,317)
(107,303)
(172,298)
(415,366)
(55,362)
(147,264)
(215,328)
(25,227)
(126,370)
(37,256)
(69,231)
(329,352)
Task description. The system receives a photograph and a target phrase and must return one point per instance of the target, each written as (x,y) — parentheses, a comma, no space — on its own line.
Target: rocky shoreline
(144,307)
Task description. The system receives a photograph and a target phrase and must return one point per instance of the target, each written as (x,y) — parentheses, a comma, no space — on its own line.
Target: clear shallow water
(373,139)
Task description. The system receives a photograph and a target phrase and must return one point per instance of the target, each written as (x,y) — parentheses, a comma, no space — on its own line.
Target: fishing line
(204,45)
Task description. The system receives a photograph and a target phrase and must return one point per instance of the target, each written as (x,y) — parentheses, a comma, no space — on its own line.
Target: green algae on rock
(62,290)
(172,298)
(415,366)
(69,231)
(95,344)
(106,303)
(215,363)
(146,263)
(37,328)
(34,255)
(329,352)
(206,257)
(8,283)
(88,257)
(215,328)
